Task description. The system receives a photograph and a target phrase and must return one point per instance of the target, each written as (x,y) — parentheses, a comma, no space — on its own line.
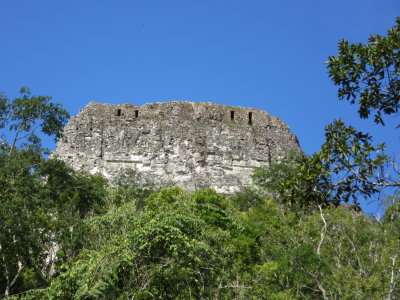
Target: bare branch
(323,231)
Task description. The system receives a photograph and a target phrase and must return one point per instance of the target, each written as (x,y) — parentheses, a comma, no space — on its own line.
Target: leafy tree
(24,226)
(324,254)
(131,184)
(392,212)
(179,245)
(369,74)
(354,164)
(23,118)
(334,253)
(71,197)
(127,241)
(42,202)
(348,167)
(299,181)
(247,198)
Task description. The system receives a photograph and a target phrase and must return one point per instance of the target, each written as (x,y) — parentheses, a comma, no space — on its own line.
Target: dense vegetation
(80,239)
(70,235)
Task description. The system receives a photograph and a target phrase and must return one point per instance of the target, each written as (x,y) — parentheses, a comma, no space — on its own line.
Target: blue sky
(265,54)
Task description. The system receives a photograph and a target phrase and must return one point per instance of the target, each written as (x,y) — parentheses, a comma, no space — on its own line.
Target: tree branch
(323,231)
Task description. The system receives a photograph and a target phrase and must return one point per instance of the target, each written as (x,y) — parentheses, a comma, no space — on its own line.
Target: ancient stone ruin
(193,144)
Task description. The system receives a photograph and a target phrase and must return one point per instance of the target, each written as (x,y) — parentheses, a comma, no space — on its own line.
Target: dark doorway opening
(250,118)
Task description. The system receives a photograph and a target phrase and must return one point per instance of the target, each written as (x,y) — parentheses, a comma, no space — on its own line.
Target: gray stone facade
(193,144)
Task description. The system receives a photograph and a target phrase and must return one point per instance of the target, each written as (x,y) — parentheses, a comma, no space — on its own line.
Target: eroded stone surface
(194,144)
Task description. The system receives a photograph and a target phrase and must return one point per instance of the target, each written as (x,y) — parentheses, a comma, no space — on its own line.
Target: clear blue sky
(257,53)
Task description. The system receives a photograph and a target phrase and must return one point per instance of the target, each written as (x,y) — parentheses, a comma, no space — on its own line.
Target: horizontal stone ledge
(123,161)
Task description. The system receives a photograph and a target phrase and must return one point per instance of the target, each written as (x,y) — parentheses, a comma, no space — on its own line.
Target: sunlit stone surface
(193,144)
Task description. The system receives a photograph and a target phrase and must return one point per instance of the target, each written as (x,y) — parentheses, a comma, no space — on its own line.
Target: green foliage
(27,116)
(170,249)
(299,181)
(392,212)
(355,165)
(42,202)
(330,254)
(25,226)
(78,192)
(190,246)
(369,74)
(68,235)
(129,185)
(72,197)
(347,167)
(247,198)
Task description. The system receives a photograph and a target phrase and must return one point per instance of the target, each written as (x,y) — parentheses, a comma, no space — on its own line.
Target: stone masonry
(193,144)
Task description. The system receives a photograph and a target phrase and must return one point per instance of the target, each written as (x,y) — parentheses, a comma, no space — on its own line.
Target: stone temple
(192,144)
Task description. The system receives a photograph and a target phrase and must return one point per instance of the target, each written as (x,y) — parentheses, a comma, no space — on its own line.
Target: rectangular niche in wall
(250,118)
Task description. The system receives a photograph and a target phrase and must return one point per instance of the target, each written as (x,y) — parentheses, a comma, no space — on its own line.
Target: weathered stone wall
(193,144)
